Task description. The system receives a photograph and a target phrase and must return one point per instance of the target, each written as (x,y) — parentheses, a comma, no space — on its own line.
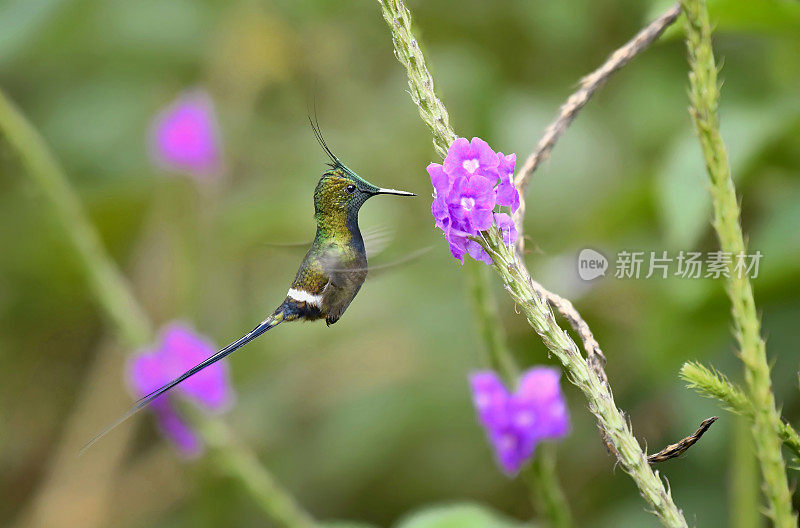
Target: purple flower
(461,245)
(184,137)
(507,227)
(467,158)
(461,204)
(467,187)
(470,203)
(457,241)
(516,422)
(179,350)
(478,253)
(507,193)
(442,184)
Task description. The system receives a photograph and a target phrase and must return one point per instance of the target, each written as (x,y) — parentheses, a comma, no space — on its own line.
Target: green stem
(550,499)
(743,493)
(237,460)
(704,96)
(499,358)
(712,384)
(420,82)
(601,402)
(435,115)
(118,302)
(613,423)
(789,437)
(107,283)
(540,478)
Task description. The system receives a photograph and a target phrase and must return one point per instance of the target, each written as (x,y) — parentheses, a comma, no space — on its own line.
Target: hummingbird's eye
(350,189)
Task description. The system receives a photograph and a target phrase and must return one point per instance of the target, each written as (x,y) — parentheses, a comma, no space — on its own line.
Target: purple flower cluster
(179,350)
(184,137)
(516,422)
(473,180)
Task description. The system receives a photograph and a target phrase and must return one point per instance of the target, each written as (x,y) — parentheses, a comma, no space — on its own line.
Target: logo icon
(591,264)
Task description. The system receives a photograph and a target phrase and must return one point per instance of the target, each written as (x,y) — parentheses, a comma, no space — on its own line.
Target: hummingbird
(329,277)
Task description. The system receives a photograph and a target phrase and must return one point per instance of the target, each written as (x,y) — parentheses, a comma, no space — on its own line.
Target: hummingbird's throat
(339,224)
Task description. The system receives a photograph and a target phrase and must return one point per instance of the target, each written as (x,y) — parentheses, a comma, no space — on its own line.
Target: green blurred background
(370,420)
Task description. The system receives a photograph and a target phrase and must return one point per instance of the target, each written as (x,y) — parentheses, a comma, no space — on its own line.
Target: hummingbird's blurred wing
(410,257)
(376,239)
(288,245)
(334,264)
(313,276)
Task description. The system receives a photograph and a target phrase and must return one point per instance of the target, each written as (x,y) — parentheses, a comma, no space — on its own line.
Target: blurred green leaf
(346,524)
(340,412)
(148,26)
(682,192)
(777,236)
(756,15)
(20,20)
(767,16)
(459,516)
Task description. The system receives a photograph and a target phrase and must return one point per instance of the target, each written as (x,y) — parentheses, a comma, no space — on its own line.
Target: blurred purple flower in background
(467,187)
(184,137)
(516,422)
(179,350)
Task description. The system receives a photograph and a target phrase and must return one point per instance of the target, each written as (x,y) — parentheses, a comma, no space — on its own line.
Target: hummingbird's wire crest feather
(321,140)
(329,277)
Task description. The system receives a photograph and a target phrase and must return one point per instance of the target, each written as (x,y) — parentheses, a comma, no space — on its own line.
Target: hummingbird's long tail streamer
(270,322)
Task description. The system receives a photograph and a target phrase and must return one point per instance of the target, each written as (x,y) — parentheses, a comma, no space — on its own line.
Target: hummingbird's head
(341,189)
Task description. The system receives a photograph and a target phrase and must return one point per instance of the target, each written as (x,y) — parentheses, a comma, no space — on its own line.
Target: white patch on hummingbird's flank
(304,296)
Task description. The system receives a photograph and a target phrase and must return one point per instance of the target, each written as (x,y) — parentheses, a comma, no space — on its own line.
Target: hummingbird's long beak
(394,191)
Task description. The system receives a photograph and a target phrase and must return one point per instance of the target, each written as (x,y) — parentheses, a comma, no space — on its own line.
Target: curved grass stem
(549,498)
(499,357)
(704,98)
(119,304)
(710,383)
(435,115)
(612,421)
